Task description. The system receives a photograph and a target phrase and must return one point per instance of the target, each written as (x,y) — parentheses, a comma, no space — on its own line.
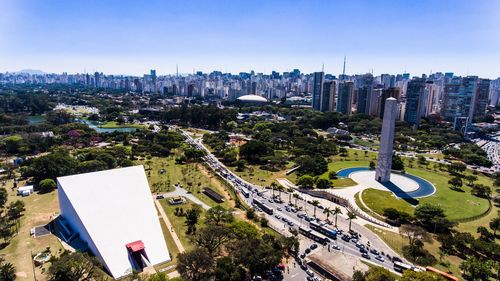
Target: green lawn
(189,176)
(256,175)
(396,242)
(114,124)
(378,200)
(178,222)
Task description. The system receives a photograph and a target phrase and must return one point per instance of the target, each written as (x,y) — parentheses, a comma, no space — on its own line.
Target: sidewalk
(169,226)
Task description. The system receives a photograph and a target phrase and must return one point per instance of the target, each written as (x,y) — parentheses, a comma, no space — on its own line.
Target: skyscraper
(344,101)
(414,101)
(481,98)
(458,98)
(328,96)
(392,92)
(317,90)
(364,93)
(383,171)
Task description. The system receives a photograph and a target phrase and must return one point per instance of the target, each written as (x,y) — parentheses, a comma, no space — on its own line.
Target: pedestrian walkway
(170,227)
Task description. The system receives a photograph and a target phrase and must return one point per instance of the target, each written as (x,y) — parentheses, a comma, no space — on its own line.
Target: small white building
(114,213)
(25,190)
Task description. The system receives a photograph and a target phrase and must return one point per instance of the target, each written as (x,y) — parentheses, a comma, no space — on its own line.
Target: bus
(263,206)
(244,192)
(330,233)
(314,236)
(400,267)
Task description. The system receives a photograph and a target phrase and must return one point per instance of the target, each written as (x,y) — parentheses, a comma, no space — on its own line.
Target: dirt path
(169,226)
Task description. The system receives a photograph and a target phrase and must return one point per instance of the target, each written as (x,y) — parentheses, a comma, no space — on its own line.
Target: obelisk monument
(383,172)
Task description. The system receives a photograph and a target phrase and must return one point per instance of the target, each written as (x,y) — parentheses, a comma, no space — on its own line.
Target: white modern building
(114,213)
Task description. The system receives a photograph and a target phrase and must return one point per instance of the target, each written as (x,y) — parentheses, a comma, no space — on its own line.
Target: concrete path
(179,191)
(170,227)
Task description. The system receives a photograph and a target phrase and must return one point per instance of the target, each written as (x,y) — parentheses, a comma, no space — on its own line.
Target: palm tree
(290,193)
(337,211)
(280,189)
(350,217)
(315,203)
(328,212)
(274,186)
(7,270)
(296,196)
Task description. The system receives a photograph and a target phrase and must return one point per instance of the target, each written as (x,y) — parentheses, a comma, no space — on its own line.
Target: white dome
(252,98)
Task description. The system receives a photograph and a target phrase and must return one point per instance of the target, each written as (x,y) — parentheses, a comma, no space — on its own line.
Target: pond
(36,119)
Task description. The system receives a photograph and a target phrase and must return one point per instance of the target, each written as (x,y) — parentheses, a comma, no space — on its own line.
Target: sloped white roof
(116,208)
(252,98)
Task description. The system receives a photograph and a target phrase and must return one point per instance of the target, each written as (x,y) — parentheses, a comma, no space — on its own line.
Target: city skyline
(130,38)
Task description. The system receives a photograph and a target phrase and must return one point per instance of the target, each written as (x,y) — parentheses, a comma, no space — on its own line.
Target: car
(303,255)
(310,273)
(374,251)
(363,250)
(287,208)
(160,196)
(366,256)
(307,251)
(336,247)
(309,278)
(284,219)
(313,246)
(290,223)
(300,215)
(293,210)
(346,238)
(354,240)
(395,259)
(270,200)
(303,266)
(316,278)
(278,216)
(279,209)
(380,258)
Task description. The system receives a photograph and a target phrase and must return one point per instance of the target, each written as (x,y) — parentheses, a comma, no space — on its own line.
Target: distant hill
(31,71)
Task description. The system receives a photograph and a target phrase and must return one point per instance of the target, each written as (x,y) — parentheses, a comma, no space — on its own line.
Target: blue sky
(131,37)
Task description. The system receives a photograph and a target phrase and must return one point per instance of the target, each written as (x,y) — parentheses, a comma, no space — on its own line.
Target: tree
(337,211)
(471,179)
(327,211)
(351,216)
(250,213)
(315,203)
(3,197)
(456,168)
(455,182)
(160,276)
(51,166)
(7,270)
(475,269)
(495,225)
(192,216)
(427,213)
(227,270)
(421,160)
(481,190)
(219,215)
(379,274)
(372,165)
(358,275)
(47,185)
(72,266)
(296,197)
(397,163)
(305,181)
(323,183)
(212,237)
(410,275)
(195,265)
(332,175)
(254,150)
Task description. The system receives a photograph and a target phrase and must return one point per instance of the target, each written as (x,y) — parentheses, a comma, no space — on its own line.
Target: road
(282,220)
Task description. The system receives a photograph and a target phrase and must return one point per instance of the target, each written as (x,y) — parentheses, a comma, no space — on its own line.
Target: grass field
(114,124)
(191,176)
(179,222)
(397,242)
(39,210)
(256,175)
(378,200)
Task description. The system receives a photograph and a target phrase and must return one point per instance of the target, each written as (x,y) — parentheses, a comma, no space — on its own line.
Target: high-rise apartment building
(481,98)
(317,90)
(345,95)
(328,96)
(414,101)
(458,97)
(392,92)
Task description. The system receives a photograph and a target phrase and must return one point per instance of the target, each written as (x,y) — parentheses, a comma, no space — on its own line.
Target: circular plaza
(405,186)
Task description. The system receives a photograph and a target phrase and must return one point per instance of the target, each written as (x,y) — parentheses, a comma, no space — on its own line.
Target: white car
(380,258)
